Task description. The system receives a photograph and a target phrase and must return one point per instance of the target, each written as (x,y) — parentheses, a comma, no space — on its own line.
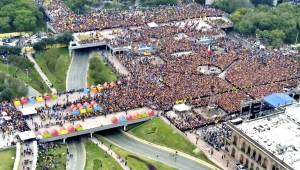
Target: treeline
(7,50)
(230,6)
(19,15)
(64,38)
(158,2)
(274,26)
(78,6)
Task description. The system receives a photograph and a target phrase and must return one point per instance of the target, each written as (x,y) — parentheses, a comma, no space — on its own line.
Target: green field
(7,158)
(136,162)
(33,79)
(158,132)
(54,158)
(95,157)
(55,63)
(99,72)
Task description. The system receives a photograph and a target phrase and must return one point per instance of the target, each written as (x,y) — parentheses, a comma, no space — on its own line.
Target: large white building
(271,142)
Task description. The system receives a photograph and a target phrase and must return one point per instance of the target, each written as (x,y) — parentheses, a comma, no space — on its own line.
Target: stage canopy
(26,135)
(278,99)
(181,107)
(28,111)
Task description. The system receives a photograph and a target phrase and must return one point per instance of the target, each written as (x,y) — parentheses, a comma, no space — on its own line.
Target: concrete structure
(271,142)
(96,129)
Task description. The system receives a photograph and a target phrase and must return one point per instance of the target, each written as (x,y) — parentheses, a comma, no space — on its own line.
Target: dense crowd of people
(63,19)
(246,73)
(26,154)
(215,135)
(13,119)
(49,159)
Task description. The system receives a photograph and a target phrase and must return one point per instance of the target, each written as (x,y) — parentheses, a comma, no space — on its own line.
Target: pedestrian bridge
(93,130)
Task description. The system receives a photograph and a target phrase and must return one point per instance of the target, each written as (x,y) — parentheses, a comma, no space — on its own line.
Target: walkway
(216,156)
(78,69)
(154,153)
(112,154)
(116,64)
(41,73)
(77,160)
(29,154)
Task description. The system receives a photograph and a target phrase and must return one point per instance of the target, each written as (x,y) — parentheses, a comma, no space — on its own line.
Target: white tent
(26,135)
(152,25)
(28,111)
(181,107)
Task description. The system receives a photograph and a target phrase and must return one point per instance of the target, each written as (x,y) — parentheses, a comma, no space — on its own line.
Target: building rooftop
(279,134)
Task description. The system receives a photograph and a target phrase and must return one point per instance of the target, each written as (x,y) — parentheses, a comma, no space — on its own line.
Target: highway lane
(77,149)
(77,73)
(76,79)
(154,153)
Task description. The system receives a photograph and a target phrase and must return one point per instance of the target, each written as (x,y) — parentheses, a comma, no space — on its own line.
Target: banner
(15,34)
(56,46)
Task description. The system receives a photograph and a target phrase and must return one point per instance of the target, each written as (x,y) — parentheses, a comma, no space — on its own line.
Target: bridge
(96,129)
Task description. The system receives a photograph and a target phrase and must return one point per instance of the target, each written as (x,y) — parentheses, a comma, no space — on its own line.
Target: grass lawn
(56,156)
(7,158)
(55,63)
(136,162)
(158,132)
(33,78)
(96,156)
(99,72)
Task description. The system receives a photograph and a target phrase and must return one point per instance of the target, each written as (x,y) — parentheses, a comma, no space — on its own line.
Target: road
(77,161)
(154,153)
(77,73)
(76,79)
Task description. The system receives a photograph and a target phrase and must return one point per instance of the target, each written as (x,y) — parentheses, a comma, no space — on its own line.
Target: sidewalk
(112,154)
(216,156)
(41,73)
(205,148)
(171,151)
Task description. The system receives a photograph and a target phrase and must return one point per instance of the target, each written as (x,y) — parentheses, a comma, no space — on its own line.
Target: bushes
(5,50)
(19,15)
(54,63)
(20,62)
(158,2)
(273,25)
(11,88)
(64,38)
(99,72)
(78,6)
(231,5)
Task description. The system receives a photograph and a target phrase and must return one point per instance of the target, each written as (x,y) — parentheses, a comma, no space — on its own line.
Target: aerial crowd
(247,73)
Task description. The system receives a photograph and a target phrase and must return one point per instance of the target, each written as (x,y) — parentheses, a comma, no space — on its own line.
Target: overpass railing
(96,129)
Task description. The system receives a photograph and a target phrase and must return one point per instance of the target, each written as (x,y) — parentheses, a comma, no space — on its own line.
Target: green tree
(19,15)
(262,2)
(202,2)
(6,95)
(231,5)
(24,22)
(4,24)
